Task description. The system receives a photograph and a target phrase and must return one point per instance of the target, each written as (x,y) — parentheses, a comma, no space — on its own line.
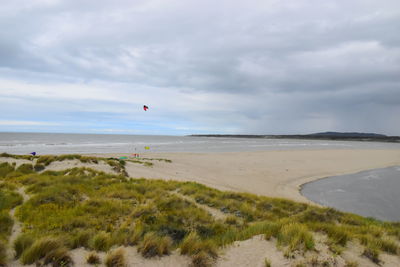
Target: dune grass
(155,245)
(3,254)
(116,258)
(296,237)
(82,207)
(8,200)
(22,243)
(49,250)
(93,258)
(157,159)
(7,155)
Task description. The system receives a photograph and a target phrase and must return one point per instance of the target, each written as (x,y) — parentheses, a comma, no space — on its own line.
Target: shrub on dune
(101,241)
(58,257)
(22,243)
(25,168)
(3,254)
(154,245)
(81,239)
(6,224)
(193,245)
(5,168)
(116,258)
(93,258)
(40,249)
(201,259)
(372,254)
(39,167)
(295,236)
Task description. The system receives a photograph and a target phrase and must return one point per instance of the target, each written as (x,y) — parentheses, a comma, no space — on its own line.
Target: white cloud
(26,123)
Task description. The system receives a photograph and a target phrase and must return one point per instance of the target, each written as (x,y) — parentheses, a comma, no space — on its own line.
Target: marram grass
(154,245)
(116,258)
(82,207)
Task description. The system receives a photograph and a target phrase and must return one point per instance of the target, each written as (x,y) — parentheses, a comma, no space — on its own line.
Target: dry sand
(269,173)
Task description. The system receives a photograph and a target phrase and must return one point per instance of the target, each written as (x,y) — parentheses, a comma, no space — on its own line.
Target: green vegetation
(351,264)
(8,200)
(101,241)
(145,163)
(158,159)
(81,207)
(49,250)
(296,236)
(154,245)
(372,254)
(267,263)
(3,254)
(116,258)
(6,155)
(93,258)
(22,243)
(118,165)
(47,159)
(5,169)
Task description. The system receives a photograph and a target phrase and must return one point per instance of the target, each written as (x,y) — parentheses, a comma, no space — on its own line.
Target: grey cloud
(323,63)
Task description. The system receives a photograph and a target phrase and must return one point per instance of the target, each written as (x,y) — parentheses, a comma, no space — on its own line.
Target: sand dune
(269,173)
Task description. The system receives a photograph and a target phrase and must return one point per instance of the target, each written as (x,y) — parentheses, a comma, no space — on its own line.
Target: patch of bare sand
(68,164)
(79,256)
(354,252)
(268,173)
(320,256)
(252,252)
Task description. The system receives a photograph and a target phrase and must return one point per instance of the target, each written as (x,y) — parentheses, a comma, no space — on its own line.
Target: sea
(373,193)
(59,143)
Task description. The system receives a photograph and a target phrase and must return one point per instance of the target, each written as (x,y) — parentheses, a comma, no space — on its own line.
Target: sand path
(16,229)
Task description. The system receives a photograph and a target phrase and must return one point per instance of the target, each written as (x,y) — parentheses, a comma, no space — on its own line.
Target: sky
(224,67)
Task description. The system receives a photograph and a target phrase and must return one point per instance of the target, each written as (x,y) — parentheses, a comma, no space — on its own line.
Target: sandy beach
(268,173)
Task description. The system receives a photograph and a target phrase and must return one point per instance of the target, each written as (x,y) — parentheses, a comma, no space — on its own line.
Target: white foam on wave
(370,176)
(339,190)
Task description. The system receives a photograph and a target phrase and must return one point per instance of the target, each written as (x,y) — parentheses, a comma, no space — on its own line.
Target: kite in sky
(145,108)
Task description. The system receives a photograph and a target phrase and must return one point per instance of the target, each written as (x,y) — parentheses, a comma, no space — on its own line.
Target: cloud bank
(260,67)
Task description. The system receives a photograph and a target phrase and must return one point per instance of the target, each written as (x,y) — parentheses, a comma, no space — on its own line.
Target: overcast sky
(249,67)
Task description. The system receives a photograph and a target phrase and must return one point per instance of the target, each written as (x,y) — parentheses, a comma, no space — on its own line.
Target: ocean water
(55,143)
(373,193)
(52,143)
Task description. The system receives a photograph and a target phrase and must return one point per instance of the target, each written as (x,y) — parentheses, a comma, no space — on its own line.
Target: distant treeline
(315,136)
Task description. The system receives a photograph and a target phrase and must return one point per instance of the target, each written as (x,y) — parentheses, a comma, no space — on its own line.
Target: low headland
(338,136)
(186,209)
